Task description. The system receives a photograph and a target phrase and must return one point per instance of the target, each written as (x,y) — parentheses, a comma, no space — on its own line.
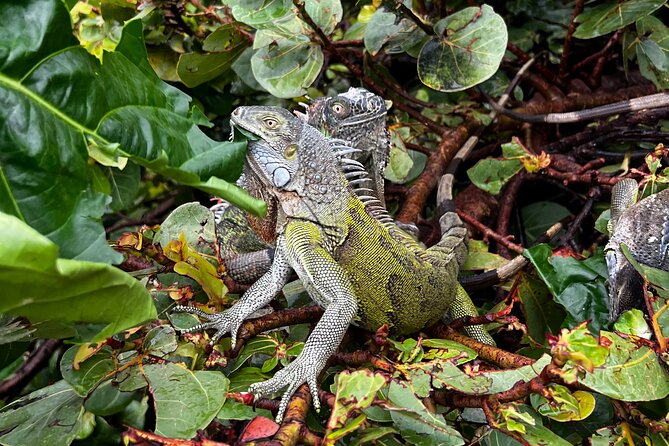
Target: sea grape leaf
(355,391)
(417,425)
(289,62)
(40,286)
(468,49)
(89,372)
(185,401)
(632,372)
(613,15)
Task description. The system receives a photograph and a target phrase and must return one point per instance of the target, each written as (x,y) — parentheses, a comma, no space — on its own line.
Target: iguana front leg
(327,283)
(257,296)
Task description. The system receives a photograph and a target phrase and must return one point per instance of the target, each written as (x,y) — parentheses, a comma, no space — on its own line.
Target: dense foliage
(114,112)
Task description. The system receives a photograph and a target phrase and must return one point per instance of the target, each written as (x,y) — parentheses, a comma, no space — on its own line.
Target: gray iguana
(356,116)
(644,228)
(360,268)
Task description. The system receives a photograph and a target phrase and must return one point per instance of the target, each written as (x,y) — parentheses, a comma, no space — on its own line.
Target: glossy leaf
(542,314)
(467,50)
(66,290)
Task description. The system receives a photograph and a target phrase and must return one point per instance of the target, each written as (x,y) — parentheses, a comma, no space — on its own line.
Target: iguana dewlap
(644,228)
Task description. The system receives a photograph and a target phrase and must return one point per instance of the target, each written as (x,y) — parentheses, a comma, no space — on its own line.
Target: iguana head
(292,159)
(357,116)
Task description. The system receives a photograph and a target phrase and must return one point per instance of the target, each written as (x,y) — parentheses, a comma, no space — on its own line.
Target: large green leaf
(185,401)
(467,50)
(286,62)
(40,286)
(69,107)
(579,286)
(87,374)
(612,15)
(632,372)
(51,416)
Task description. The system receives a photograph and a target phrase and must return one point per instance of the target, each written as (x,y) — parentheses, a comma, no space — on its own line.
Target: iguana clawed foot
(224,322)
(302,370)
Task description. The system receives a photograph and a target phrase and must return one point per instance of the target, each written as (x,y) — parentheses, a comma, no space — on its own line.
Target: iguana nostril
(236,112)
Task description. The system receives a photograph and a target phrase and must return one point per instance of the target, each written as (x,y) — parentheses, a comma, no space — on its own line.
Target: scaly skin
(644,228)
(356,116)
(359,269)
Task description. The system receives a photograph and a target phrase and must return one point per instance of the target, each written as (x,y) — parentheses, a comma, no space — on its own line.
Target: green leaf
(185,401)
(51,416)
(222,47)
(160,341)
(355,391)
(325,13)
(521,418)
(234,410)
(262,344)
(416,424)
(468,49)
(633,323)
(632,372)
(563,405)
(385,28)
(89,372)
(125,186)
(541,215)
(194,221)
(579,286)
(259,13)
(491,175)
(542,314)
(286,62)
(107,399)
(613,15)
(41,286)
(30,30)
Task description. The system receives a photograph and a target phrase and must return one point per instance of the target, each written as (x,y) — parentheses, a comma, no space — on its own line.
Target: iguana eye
(338,108)
(270,123)
(290,151)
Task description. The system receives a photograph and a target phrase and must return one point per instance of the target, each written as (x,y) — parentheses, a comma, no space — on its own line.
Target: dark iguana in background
(644,228)
(356,116)
(359,269)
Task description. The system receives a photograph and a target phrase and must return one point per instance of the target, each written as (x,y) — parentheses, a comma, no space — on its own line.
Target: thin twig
(566,48)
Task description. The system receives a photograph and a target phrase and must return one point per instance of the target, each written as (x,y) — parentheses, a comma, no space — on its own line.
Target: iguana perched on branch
(361,268)
(356,116)
(644,228)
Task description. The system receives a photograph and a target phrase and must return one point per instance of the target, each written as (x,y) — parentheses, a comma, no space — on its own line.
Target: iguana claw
(224,322)
(292,376)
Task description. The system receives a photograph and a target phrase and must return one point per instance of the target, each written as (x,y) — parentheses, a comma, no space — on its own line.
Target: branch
(13,385)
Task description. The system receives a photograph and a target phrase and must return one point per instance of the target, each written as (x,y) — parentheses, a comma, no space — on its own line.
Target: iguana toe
(224,322)
(293,376)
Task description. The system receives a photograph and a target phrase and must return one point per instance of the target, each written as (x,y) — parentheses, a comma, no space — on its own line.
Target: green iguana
(361,270)
(644,228)
(357,117)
